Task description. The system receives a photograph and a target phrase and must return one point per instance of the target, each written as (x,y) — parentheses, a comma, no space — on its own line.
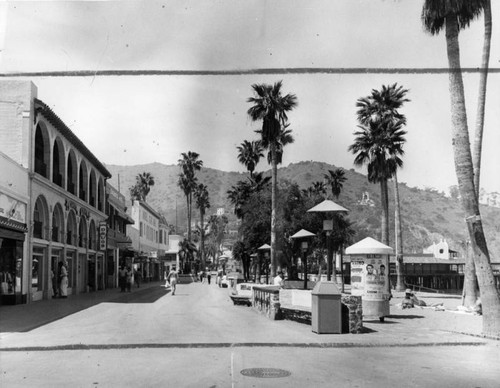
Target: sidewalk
(26,317)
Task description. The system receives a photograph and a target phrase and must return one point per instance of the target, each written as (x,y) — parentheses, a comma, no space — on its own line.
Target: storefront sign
(103,234)
(12,209)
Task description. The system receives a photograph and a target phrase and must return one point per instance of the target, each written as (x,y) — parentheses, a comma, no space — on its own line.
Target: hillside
(427,215)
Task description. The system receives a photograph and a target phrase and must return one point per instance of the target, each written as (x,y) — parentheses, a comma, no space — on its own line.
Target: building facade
(66,195)
(119,245)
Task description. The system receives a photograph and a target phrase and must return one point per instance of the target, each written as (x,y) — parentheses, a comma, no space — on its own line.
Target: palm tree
(270,106)
(379,144)
(189,164)
(453,16)
(481,100)
(146,180)
(202,203)
(142,187)
(186,252)
(335,179)
(249,154)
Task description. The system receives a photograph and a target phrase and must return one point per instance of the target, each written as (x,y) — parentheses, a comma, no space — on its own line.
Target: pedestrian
(278,280)
(209,276)
(137,278)
(122,278)
(128,279)
(173,277)
(63,280)
(54,283)
(202,277)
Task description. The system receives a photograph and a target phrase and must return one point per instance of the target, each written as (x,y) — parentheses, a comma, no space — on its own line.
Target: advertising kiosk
(370,276)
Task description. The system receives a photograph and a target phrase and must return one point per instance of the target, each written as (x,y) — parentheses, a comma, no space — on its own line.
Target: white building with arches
(66,194)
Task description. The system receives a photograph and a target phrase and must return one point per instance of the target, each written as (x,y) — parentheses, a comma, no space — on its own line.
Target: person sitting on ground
(407,302)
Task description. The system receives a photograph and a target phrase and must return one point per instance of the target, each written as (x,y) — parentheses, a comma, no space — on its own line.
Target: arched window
(92,190)
(58,163)
(58,224)
(71,229)
(40,218)
(82,182)
(82,233)
(100,195)
(92,236)
(42,151)
(72,173)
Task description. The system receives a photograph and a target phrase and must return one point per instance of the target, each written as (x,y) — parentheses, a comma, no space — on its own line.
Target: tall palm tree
(189,164)
(145,180)
(186,252)
(379,144)
(453,16)
(202,203)
(335,179)
(481,100)
(249,154)
(270,106)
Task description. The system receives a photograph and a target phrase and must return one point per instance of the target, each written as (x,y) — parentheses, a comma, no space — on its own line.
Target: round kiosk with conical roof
(370,277)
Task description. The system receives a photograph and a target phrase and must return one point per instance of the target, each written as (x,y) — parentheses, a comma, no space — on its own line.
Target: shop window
(37,272)
(11,263)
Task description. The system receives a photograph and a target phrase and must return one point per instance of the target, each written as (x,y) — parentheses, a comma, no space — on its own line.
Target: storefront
(12,236)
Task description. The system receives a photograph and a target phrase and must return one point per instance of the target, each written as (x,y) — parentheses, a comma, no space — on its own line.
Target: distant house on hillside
(365,200)
(441,250)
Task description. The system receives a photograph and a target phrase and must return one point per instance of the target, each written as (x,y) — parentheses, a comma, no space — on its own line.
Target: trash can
(326,312)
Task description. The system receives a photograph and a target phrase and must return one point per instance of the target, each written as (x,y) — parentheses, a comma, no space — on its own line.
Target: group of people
(205,276)
(125,279)
(60,281)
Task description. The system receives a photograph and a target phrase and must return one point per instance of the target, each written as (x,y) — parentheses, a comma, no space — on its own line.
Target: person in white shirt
(278,280)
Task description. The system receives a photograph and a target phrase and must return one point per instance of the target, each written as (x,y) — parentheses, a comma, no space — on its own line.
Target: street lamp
(265,250)
(328,206)
(302,236)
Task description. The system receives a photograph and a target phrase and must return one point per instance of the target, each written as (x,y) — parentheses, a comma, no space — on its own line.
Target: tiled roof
(14,225)
(54,119)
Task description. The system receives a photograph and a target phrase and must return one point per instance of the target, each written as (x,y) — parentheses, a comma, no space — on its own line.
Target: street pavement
(198,338)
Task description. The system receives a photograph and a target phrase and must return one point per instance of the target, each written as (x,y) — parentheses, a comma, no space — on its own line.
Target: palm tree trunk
(274,187)
(202,242)
(481,100)
(400,284)
(490,297)
(385,211)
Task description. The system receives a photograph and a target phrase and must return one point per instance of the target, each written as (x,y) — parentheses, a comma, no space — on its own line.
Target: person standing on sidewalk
(209,277)
(128,279)
(122,278)
(172,277)
(137,278)
(63,280)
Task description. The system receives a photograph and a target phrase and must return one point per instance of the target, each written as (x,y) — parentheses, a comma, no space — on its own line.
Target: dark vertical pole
(304,255)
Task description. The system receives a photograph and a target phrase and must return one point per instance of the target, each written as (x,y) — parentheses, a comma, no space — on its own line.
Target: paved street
(197,338)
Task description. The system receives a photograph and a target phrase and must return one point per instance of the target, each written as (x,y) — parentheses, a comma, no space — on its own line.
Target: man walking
(172,278)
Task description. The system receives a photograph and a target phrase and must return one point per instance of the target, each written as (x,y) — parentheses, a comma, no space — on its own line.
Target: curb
(327,345)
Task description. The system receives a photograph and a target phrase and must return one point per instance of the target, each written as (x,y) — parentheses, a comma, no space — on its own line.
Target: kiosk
(370,276)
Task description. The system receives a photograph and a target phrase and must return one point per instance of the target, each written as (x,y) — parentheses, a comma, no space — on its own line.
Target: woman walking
(63,280)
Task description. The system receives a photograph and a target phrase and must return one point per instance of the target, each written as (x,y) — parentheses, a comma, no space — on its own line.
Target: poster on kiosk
(370,276)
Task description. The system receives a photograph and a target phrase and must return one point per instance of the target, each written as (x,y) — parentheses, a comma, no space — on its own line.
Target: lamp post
(302,236)
(265,250)
(328,206)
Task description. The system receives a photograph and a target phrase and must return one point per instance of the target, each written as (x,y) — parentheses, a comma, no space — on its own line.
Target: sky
(139,119)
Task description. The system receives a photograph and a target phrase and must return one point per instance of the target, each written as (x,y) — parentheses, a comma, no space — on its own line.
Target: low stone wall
(266,300)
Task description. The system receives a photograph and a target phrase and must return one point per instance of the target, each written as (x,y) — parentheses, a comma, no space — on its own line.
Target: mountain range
(427,215)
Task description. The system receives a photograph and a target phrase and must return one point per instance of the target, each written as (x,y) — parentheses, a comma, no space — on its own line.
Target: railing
(266,299)
(420,288)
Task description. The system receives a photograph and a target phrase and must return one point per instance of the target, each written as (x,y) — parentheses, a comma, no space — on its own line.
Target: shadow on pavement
(148,295)
(26,317)
(405,316)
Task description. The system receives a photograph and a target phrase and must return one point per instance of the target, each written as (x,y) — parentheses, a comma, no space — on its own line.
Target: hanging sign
(103,234)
